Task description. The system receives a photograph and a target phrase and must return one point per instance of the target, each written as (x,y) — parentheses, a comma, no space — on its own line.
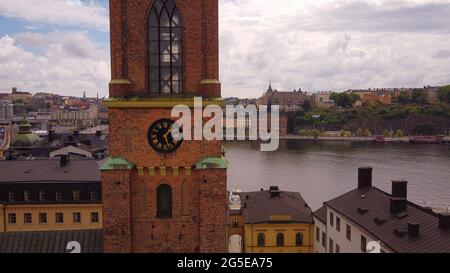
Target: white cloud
(71,66)
(61,12)
(313,44)
(332,44)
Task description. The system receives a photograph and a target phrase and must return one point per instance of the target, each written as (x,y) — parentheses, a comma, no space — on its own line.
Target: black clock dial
(160,136)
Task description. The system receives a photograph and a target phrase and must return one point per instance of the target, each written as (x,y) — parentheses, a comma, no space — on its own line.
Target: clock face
(160,136)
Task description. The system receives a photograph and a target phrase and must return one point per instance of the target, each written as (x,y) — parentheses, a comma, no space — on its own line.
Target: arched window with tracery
(165,48)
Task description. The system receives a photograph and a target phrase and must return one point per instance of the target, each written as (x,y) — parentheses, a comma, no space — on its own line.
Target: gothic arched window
(165,48)
(164,200)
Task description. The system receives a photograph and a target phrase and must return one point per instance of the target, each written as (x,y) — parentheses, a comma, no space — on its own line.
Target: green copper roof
(212,163)
(116,163)
(25,140)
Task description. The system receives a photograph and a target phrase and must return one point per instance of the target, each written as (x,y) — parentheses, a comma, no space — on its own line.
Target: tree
(306,106)
(367,133)
(344,100)
(444,93)
(419,96)
(387,133)
(403,97)
(399,133)
(359,132)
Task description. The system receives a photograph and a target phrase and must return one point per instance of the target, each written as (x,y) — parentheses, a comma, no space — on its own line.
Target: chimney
(274,192)
(98,133)
(64,160)
(413,230)
(444,221)
(399,196)
(365,177)
(400,189)
(51,135)
(14,90)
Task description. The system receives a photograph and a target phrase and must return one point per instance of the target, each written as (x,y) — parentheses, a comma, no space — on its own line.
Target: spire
(270,87)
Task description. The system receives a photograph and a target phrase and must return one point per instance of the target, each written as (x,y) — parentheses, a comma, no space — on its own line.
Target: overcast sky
(62,46)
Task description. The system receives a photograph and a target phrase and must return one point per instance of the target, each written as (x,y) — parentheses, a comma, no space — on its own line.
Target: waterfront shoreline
(357,139)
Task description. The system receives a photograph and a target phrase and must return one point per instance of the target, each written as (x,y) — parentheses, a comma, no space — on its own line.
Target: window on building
(164,197)
(338,224)
(280,239)
(59,217)
(94,195)
(43,218)
(165,48)
(94,217)
(363,244)
(77,217)
(235,223)
(299,239)
(12,218)
(27,196)
(261,240)
(324,240)
(330,245)
(27,218)
(59,195)
(349,232)
(318,234)
(331,219)
(338,249)
(42,195)
(11,196)
(76,195)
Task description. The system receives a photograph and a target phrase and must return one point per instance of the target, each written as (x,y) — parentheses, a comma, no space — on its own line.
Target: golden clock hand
(167,134)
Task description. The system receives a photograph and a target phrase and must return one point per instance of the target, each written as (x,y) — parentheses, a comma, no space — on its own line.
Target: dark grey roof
(49,170)
(257,207)
(50,241)
(364,206)
(321,214)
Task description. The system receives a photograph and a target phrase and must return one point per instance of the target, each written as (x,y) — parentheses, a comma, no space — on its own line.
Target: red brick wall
(129,59)
(130,225)
(116,194)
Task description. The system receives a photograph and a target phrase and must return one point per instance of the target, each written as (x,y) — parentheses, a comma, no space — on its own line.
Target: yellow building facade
(272,234)
(15,218)
(270,221)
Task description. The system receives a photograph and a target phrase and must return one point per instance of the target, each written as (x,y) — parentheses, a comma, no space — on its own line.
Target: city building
(270,221)
(159,195)
(19,96)
(368,219)
(432,94)
(323,100)
(44,195)
(288,101)
(6,110)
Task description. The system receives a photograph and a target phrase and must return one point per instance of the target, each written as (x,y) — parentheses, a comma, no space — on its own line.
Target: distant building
(43,195)
(323,100)
(270,221)
(19,96)
(6,110)
(367,217)
(288,101)
(432,94)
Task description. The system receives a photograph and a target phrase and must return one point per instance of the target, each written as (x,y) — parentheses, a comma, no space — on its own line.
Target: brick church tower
(160,194)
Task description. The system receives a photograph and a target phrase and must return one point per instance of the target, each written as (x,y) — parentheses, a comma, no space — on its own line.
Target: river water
(321,171)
